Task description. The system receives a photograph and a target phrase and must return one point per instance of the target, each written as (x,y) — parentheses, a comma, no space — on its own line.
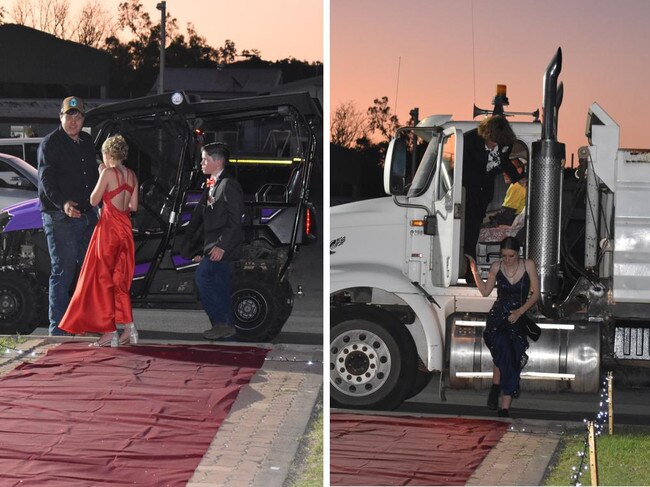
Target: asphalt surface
(630,404)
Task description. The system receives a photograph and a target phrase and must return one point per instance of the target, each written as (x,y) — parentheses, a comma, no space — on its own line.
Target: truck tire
(373,360)
(422,379)
(255,308)
(19,302)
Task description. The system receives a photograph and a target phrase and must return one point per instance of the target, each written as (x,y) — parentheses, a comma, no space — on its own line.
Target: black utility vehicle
(274,142)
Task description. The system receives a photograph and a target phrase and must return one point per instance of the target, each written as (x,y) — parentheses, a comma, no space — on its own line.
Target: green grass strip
(622,460)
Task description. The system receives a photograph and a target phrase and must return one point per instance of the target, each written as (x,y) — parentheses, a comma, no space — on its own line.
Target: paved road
(304,326)
(630,405)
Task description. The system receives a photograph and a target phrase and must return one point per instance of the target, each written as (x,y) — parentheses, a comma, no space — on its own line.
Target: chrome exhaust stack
(545,194)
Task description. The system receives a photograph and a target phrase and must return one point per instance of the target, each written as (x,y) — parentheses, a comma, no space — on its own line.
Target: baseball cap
(72,103)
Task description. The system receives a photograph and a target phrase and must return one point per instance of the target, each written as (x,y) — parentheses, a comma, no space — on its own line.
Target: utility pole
(162,6)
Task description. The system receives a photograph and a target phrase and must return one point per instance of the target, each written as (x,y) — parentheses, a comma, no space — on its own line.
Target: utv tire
(373,360)
(19,302)
(255,308)
(284,302)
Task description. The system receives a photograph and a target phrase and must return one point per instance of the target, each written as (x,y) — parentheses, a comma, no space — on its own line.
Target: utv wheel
(255,308)
(284,302)
(373,359)
(19,303)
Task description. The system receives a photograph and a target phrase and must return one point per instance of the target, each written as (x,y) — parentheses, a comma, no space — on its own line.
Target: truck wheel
(373,359)
(422,379)
(254,303)
(19,303)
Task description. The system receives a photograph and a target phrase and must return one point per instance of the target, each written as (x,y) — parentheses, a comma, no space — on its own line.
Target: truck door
(447,207)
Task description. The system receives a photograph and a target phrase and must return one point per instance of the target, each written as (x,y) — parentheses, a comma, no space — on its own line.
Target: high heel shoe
(109,339)
(130,335)
(493,397)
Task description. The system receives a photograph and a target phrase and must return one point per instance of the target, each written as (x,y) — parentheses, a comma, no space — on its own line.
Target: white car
(18,181)
(26,148)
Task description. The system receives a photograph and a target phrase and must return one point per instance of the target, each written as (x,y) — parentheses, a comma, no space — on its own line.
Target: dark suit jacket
(218,222)
(475,158)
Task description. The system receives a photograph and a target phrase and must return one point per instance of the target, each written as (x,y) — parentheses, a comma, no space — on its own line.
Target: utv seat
(282,193)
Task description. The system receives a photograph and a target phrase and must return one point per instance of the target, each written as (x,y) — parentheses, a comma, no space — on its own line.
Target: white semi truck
(400,309)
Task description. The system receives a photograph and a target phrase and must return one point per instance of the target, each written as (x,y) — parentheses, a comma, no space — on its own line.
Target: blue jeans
(213,282)
(67,242)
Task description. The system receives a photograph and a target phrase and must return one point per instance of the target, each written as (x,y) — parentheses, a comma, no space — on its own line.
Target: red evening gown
(101,298)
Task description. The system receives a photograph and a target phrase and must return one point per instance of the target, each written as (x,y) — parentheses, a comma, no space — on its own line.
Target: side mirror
(395,167)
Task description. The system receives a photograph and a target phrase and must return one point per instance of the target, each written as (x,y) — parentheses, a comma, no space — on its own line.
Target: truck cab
(397,262)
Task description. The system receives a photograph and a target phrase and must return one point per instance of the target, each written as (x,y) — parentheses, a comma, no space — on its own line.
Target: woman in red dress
(101,300)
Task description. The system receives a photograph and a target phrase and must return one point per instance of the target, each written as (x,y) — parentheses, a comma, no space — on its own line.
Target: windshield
(425,165)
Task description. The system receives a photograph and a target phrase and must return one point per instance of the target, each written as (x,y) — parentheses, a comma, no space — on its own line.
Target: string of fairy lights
(601,417)
(17,352)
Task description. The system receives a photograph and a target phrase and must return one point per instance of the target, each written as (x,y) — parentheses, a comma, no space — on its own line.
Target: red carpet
(390,450)
(142,415)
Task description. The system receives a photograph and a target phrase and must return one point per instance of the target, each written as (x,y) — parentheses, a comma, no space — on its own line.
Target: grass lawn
(11,342)
(310,471)
(622,459)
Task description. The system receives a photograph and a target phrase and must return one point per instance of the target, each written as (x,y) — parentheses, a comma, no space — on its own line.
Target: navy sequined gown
(506,342)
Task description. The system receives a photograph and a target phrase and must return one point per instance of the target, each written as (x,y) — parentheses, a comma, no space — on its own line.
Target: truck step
(524,375)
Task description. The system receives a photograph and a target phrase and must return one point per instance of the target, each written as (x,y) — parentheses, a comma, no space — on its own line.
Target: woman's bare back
(122,175)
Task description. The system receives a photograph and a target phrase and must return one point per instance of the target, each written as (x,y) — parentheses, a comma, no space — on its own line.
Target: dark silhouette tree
(95,25)
(348,126)
(381,119)
(135,62)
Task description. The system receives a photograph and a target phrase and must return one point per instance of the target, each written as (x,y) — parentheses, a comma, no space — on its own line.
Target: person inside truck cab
(515,199)
(486,154)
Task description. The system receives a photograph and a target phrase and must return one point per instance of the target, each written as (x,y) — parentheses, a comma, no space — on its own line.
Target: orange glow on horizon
(604,44)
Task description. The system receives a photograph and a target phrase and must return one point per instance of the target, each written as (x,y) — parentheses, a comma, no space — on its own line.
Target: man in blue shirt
(67,174)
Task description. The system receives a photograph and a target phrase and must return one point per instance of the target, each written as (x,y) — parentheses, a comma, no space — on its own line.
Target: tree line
(135,62)
(353,129)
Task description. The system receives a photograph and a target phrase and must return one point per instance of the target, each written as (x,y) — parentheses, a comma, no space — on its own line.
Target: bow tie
(210,182)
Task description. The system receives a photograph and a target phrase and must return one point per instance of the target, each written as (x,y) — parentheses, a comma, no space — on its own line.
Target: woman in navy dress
(517,286)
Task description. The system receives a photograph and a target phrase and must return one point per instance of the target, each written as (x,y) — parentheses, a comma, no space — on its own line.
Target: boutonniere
(210,200)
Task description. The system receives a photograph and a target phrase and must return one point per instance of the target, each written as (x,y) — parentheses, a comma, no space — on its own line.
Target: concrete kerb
(523,454)
(258,441)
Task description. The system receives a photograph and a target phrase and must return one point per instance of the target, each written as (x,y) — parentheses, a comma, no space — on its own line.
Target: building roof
(313,85)
(221,82)
(37,110)
(28,54)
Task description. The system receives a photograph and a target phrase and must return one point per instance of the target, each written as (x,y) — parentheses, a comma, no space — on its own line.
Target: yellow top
(515,197)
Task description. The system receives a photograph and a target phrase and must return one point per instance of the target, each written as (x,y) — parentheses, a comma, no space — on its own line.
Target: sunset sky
(278,28)
(605,44)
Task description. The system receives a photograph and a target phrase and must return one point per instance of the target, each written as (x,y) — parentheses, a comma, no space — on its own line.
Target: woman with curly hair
(101,300)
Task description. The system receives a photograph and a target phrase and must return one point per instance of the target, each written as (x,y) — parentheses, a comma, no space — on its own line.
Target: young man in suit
(486,153)
(218,218)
